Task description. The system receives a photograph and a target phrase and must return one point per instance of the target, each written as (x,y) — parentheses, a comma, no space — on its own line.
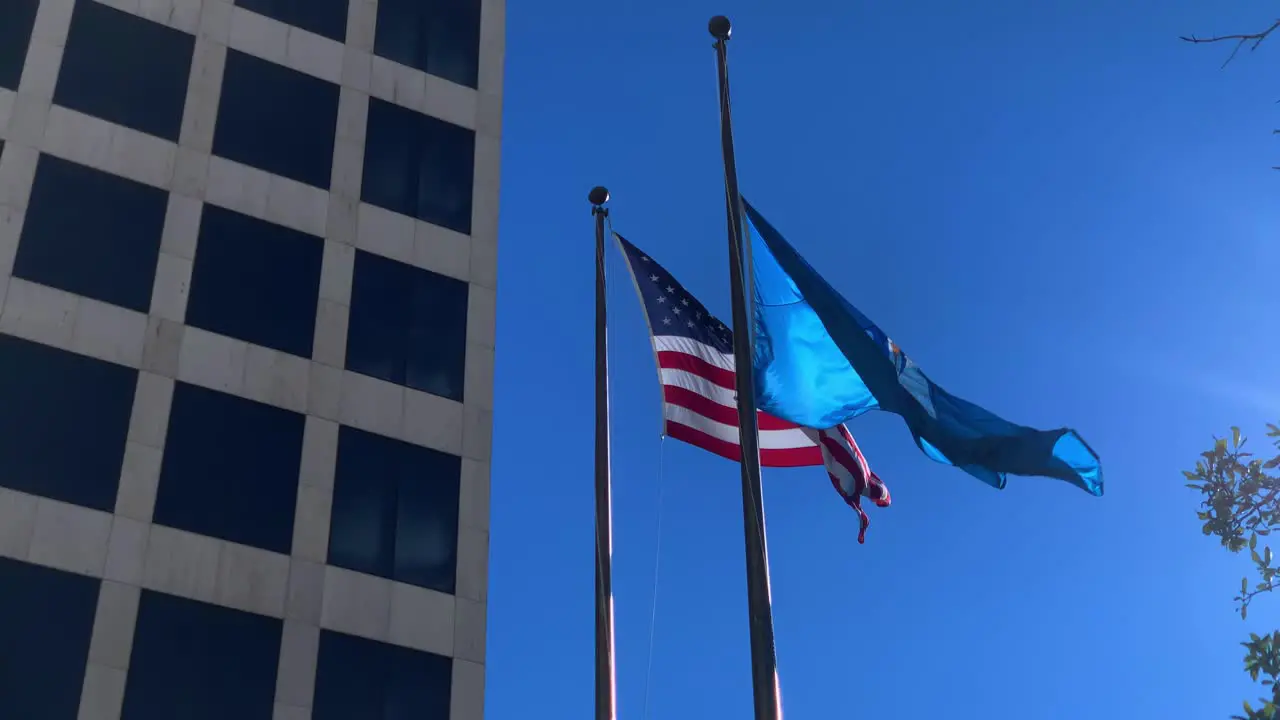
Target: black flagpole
(606,708)
(764,672)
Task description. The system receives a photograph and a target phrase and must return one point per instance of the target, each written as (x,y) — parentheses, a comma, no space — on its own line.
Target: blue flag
(820,362)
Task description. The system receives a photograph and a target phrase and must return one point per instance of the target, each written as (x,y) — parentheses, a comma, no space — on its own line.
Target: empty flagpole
(606,705)
(764,673)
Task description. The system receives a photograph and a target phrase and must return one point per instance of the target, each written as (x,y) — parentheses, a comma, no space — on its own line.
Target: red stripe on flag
(712,410)
(672,360)
(778,457)
(854,502)
(875,487)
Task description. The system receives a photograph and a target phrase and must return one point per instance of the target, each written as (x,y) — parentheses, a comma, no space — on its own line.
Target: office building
(247,308)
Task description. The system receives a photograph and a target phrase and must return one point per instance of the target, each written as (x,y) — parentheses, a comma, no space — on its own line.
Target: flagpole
(764,671)
(606,705)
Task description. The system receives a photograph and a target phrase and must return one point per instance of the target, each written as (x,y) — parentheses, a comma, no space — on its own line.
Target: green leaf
(1272,463)
(1247,707)
(1190,475)
(1244,612)
(1256,557)
(1235,436)
(1220,447)
(1253,541)
(1266,555)
(1244,585)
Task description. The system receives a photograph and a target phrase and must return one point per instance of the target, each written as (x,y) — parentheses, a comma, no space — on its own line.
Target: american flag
(695,365)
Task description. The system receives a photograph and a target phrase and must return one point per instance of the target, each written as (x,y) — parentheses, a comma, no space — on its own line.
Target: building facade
(247,308)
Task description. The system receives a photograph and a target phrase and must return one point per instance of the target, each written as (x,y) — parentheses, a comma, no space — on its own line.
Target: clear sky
(1059,210)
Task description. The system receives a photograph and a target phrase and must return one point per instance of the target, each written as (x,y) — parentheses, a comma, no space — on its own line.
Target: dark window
(255,281)
(441,37)
(92,233)
(407,326)
(17,18)
(395,510)
(46,620)
(359,678)
(276,119)
(230,469)
(419,166)
(197,661)
(125,70)
(322,17)
(64,420)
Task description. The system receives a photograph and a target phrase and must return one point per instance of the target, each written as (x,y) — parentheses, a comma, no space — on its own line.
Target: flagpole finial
(598,196)
(720,27)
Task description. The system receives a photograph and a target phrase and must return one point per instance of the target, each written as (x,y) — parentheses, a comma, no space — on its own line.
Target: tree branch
(1244,515)
(1248,596)
(1240,40)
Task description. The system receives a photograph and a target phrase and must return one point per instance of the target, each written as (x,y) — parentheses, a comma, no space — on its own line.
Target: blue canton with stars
(671,309)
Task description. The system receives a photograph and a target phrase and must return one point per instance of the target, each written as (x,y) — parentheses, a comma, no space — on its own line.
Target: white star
(675,310)
(661,299)
(653,278)
(666,321)
(670,289)
(689,323)
(644,258)
(685,302)
(698,315)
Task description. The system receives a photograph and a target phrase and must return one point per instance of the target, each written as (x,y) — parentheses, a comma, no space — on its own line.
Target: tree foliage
(1241,507)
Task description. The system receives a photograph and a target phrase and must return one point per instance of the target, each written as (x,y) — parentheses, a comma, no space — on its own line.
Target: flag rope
(657,564)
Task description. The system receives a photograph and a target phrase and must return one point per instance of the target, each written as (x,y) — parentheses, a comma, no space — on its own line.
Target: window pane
(362,526)
(407,326)
(446,173)
(124,69)
(255,281)
(391,154)
(276,119)
(17,18)
(400,33)
(427,519)
(196,661)
(64,419)
(377,337)
(437,326)
(453,40)
(230,469)
(441,37)
(419,166)
(92,233)
(360,678)
(46,620)
(349,678)
(322,17)
(395,510)
(418,685)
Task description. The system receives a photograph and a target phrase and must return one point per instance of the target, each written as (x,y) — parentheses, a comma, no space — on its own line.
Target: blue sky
(1059,210)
